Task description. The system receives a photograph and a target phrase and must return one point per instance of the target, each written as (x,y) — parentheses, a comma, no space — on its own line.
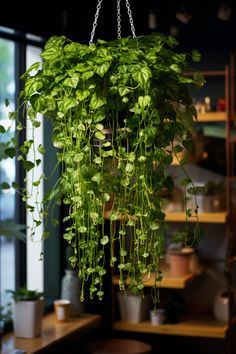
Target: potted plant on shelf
(27,308)
(130,95)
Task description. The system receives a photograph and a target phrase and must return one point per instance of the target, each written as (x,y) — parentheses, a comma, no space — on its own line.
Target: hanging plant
(116,108)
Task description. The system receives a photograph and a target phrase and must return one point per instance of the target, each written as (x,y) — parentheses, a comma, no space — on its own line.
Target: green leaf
(98,160)
(2,129)
(129,168)
(154,225)
(28,165)
(67,103)
(4,185)
(96,102)
(6,102)
(99,115)
(102,69)
(142,76)
(123,90)
(9,228)
(33,85)
(35,66)
(144,101)
(97,178)
(82,94)
(72,81)
(41,149)
(175,67)
(10,152)
(185,181)
(99,135)
(196,55)
(36,183)
(104,240)
(36,123)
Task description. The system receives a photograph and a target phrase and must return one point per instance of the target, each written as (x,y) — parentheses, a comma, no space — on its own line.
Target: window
(17,53)
(7,167)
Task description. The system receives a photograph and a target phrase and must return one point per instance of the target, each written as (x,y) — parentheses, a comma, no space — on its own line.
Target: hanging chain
(130,18)
(118,20)
(99,4)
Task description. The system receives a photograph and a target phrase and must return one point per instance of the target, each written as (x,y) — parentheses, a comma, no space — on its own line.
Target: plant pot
(157,317)
(27,318)
(180,261)
(133,308)
(221,307)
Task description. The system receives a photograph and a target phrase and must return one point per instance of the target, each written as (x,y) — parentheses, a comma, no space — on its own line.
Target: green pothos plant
(116,109)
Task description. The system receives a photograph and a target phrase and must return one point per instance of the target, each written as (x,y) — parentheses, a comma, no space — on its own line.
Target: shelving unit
(205,326)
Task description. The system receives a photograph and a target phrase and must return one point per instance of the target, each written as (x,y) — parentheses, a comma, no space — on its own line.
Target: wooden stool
(118,346)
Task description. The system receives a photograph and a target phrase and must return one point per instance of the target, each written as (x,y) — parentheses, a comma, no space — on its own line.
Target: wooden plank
(167,282)
(204,326)
(53,333)
(219,217)
(212,117)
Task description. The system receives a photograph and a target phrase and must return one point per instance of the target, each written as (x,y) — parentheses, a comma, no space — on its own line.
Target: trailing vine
(115,108)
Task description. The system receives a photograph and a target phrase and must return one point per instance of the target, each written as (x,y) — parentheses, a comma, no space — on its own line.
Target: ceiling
(74,19)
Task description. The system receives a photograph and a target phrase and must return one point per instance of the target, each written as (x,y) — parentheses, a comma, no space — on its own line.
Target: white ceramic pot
(27,318)
(133,308)
(221,307)
(157,317)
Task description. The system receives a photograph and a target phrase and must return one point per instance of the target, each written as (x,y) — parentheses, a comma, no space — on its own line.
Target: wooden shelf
(220,217)
(212,117)
(53,333)
(204,326)
(167,282)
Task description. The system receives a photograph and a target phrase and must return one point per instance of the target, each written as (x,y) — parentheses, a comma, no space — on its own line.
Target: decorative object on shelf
(27,308)
(179,260)
(71,285)
(70,290)
(62,309)
(138,88)
(211,197)
(157,316)
(221,307)
(133,308)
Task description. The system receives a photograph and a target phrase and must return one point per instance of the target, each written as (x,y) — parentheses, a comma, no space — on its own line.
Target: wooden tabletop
(53,332)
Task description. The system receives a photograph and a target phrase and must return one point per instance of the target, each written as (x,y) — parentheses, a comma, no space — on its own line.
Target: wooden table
(53,333)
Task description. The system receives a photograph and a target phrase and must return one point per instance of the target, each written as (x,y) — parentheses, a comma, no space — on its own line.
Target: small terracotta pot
(179,261)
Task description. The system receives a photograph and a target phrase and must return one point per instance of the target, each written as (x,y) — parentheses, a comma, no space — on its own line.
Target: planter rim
(183,251)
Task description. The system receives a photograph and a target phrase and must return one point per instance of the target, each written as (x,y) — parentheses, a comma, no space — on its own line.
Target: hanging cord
(118,20)
(99,4)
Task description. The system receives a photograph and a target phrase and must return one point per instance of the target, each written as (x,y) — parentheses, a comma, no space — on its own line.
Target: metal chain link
(99,4)
(118,20)
(130,18)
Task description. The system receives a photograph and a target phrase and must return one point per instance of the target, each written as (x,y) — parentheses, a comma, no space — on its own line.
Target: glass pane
(7,168)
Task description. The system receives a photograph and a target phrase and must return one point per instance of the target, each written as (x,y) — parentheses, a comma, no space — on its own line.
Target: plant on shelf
(116,108)
(24,294)
(27,309)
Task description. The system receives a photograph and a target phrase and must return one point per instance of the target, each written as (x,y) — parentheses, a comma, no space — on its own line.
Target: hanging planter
(137,89)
